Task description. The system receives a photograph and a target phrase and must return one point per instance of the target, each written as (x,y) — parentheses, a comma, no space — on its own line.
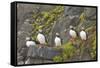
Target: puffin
(83,34)
(41,38)
(30,42)
(73,34)
(57,40)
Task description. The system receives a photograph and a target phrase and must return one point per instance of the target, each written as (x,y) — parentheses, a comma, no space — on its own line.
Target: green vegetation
(93,42)
(93,51)
(82,17)
(67,53)
(57,59)
(45,20)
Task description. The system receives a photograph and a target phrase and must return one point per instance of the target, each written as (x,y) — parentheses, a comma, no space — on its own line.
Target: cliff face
(52,19)
(25,13)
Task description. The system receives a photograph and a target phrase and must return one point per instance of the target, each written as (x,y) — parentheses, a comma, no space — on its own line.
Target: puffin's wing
(77,33)
(61,41)
(86,35)
(37,38)
(46,39)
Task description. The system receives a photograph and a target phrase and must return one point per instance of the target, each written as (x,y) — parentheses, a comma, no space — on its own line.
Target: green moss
(57,59)
(82,17)
(92,41)
(93,50)
(68,51)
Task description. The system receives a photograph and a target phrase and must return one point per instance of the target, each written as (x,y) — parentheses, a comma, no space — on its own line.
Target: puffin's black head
(40,31)
(71,27)
(57,34)
(83,28)
(28,39)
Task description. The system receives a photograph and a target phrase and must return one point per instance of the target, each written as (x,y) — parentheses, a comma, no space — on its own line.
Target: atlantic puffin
(57,40)
(41,38)
(83,34)
(30,42)
(73,34)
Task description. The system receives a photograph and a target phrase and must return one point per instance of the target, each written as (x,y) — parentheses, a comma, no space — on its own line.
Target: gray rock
(44,52)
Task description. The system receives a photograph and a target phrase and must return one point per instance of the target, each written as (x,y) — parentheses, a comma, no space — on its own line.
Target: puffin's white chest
(72,33)
(83,35)
(57,41)
(41,38)
(30,43)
